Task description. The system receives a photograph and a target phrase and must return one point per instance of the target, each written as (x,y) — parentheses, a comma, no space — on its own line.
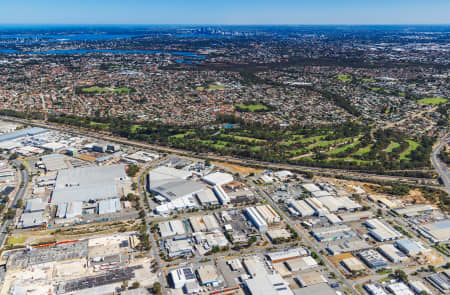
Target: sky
(225,12)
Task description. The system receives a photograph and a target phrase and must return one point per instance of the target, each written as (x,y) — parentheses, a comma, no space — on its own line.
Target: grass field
(392,145)
(253,107)
(363,150)
(412,146)
(103,126)
(342,148)
(433,100)
(14,240)
(243,138)
(103,90)
(368,80)
(215,87)
(344,78)
(182,135)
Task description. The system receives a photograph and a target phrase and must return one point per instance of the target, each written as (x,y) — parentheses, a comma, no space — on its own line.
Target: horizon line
(218,24)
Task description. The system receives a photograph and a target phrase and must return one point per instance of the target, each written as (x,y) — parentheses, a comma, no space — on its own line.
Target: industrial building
(372,258)
(414,210)
(54,162)
(278,233)
(256,219)
(353,264)
(69,210)
(204,223)
(182,276)
(437,231)
(380,231)
(207,198)
(286,255)
(440,282)
(316,204)
(178,247)
(318,289)
(34,219)
(310,187)
(35,205)
(171,228)
(347,246)
(268,214)
(89,183)
(355,216)
(409,247)
(391,253)
(268,285)
(108,206)
(207,275)
(310,279)
(373,289)
(419,287)
(302,208)
(399,289)
(301,263)
(221,195)
(218,178)
(22,133)
(331,233)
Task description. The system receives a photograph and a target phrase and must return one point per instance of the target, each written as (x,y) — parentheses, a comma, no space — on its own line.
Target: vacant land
(433,100)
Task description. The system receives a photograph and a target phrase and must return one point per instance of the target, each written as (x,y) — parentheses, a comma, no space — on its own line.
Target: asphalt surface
(440,166)
(23,182)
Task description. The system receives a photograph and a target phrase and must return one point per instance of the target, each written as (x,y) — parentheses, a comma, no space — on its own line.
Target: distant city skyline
(202,12)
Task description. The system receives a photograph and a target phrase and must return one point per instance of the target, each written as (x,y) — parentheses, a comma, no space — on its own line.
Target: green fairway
(363,150)
(412,146)
(342,148)
(433,100)
(393,145)
(367,80)
(252,107)
(303,140)
(242,138)
(96,89)
(182,135)
(103,126)
(344,78)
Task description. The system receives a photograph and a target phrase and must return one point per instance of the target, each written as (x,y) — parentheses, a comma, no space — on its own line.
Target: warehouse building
(268,285)
(391,253)
(318,289)
(414,210)
(204,223)
(316,204)
(301,263)
(268,214)
(286,255)
(171,228)
(440,282)
(437,231)
(409,247)
(302,208)
(310,279)
(399,289)
(419,287)
(108,206)
(89,183)
(380,231)
(347,246)
(69,210)
(355,216)
(207,198)
(34,219)
(182,276)
(35,205)
(178,247)
(22,133)
(372,258)
(331,233)
(218,178)
(373,289)
(256,219)
(54,162)
(353,264)
(310,187)
(221,195)
(208,276)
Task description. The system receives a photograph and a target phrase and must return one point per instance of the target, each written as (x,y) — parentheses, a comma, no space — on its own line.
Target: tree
(401,275)
(19,203)
(13,156)
(157,288)
(132,170)
(135,285)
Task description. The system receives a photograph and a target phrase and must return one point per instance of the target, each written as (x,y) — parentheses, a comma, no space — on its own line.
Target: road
(330,266)
(23,183)
(240,161)
(155,247)
(440,166)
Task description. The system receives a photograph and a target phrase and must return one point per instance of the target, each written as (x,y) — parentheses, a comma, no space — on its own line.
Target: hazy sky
(225,12)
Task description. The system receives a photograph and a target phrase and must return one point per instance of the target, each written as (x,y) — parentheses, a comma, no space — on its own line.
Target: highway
(240,161)
(440,166)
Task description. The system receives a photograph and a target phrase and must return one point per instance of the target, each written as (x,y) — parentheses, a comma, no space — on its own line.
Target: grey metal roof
(178,188)
(88,183)
(22,133)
